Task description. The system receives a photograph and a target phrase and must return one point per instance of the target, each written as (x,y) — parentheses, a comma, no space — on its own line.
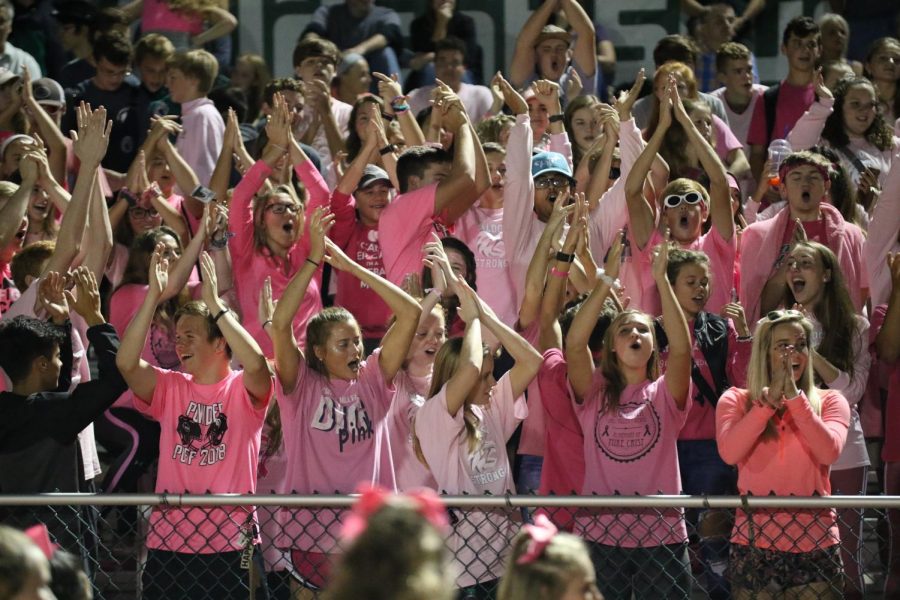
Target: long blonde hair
(446,362)
(759,372)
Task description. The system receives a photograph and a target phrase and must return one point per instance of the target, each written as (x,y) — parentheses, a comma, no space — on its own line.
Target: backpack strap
(853,158)
(770,101)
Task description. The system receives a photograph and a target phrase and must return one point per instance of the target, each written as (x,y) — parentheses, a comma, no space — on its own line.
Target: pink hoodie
(882,238)
(761,242)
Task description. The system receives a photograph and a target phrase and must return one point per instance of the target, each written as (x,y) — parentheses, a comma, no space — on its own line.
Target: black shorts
(181,576)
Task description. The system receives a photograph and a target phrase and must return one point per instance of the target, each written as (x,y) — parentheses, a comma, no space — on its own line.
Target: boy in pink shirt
(765,244)
(211,419)
(685,206)
(783,103)
(334,404)
(434,191)
(190,78)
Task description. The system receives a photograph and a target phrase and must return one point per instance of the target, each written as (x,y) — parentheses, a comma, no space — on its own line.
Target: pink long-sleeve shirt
(796,462)
(251,265)
(883,236)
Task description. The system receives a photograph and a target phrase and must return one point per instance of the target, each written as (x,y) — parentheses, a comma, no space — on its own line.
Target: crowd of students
(299,285)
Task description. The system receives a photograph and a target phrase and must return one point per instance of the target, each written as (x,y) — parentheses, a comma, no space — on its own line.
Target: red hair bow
(373,498)
(541,534)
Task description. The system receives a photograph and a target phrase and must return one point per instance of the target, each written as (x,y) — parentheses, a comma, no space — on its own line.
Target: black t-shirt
(122,107)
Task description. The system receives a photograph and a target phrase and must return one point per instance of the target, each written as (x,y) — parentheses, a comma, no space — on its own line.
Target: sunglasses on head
(673,200)
(774,315)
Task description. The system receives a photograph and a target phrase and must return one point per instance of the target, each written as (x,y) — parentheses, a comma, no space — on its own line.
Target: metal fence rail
(199,543)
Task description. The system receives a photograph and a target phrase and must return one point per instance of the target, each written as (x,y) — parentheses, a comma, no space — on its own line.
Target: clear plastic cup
(778,151)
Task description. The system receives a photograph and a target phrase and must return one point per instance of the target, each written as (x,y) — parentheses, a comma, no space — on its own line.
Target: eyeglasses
(281,208)
(548,182)
(136,212)
(673,200)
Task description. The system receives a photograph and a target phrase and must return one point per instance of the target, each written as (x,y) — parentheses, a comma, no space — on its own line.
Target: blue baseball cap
(550,162)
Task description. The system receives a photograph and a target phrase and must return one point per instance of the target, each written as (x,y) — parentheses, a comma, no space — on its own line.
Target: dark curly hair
(879,133)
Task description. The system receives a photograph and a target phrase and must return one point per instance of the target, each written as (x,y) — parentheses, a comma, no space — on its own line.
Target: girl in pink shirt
(462,430)
(840,355)
(268,229)
(631,416)
(783,434)
(334,404)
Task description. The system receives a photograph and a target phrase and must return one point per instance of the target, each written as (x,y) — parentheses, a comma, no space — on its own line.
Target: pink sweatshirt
(796,463)
(251,266)
(209,443)
(480,540)
(883,236)
(762,241)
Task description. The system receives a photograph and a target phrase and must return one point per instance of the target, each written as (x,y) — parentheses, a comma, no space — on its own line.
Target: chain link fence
(280,547)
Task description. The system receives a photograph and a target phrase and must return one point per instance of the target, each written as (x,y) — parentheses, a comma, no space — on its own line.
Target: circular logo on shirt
(629,433)
(373,235)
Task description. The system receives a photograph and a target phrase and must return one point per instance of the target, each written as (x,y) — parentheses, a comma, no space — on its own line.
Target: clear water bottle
(778,151)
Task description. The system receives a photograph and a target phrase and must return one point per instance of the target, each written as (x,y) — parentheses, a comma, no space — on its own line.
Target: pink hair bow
(373,498)
(541,534)
(41,537)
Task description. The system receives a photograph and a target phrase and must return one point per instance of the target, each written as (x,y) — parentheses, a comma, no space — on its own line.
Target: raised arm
(456,194)
(181,272)
(719,193)
(584,55)
(522,64)
(536,276)
(90,143)
(807,131)
(577,352)
(824,435)
(287,354)
(552,295)
(392,93)
(257,378)
(98,241)
(678,365)
(221,23)
(140,376)
(396,342)
(471,356)
(46,127)
(221,176)
(641,215)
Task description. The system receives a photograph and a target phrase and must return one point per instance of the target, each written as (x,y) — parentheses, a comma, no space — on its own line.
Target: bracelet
(745,338)
(266,322)
(399,99)
(399,108)
(387,149)
(222,312)
(312,262)
(557,273)
(277,147)
(563,257)
(221,242)
(557,118)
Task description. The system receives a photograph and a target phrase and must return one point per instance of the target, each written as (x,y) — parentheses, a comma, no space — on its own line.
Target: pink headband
(784,169)
(541,534)
(373,498)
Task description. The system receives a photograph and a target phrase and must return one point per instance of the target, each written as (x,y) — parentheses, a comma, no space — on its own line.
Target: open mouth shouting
(353,365)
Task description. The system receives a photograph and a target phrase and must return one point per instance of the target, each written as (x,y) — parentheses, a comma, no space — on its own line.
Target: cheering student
(334,403)
(211,419)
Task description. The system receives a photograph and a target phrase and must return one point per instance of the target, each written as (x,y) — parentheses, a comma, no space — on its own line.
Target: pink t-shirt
(371,312)
(632,450)
(532,440)
(792,103)
(485,470)
(8,291)
(209,443)
(271,474)
(157,16)
(408,399)
(159,347)
(482,231)
(721,270)
(335,437)
(404,227)
(795,463)
(563,470)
